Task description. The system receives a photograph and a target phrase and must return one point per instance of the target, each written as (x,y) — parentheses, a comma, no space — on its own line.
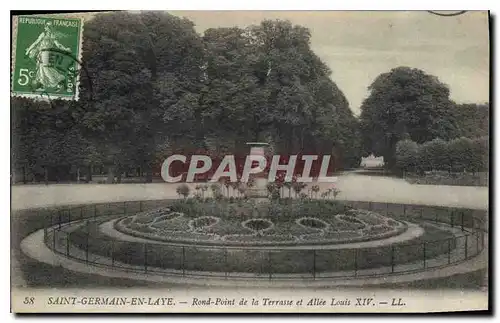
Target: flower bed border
(194,229)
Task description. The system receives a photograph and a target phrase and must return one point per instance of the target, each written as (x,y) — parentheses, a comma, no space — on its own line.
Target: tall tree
(405,103)
(265,83)
(334,126)
(234,102)
(141,69)
(285,65)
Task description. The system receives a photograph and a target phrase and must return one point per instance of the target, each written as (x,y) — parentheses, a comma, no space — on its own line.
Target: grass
(447,178)
(469,281)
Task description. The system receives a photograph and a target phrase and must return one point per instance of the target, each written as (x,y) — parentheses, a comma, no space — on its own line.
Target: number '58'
(29,300)
(24,76)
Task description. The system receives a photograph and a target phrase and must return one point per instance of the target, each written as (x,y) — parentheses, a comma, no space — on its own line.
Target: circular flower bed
(243,222)
(203,222)
(257,225)
(312,223)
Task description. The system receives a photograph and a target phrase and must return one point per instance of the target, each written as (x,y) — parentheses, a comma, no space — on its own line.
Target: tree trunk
(111,175)
(290,140)
(302,140)
(24,174)
(389,161)
(46,175)
(118,176)
(88,176)
(149,175)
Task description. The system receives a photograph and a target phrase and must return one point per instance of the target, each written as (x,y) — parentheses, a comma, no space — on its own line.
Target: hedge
(457,155)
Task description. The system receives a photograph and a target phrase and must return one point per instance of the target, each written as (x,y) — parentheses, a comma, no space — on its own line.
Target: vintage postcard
(250,161)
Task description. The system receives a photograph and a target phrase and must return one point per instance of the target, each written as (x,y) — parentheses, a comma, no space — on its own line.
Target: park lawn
(446,178)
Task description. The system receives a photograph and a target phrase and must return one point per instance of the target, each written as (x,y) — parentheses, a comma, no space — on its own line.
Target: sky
(360,45)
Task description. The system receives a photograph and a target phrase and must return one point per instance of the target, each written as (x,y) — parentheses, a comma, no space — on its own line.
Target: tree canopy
(405,103)
(152,85)
(472,120)
(265,83)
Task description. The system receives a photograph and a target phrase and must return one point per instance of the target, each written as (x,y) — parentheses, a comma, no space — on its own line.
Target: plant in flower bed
(224,228)
(192,236)
(290,228)
(376,229)
(258,226)
(176,224)
(147,217)
(274,190)
(350,221)
(183,190)
(126,221)
(168,216)
(202,222)
(349,218)
(331,192)
(141,228)
(346,236)
(367,217)
(315,236)
(258,238)
(344,226)
(312,223)
(393,223)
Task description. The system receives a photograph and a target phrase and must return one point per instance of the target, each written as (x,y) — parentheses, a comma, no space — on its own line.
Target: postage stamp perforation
(13,53)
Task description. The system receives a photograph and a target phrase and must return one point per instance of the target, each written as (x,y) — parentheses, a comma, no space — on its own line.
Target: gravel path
(353,186)
(34,247)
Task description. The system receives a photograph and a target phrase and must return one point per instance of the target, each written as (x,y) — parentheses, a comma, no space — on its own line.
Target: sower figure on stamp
(47,75)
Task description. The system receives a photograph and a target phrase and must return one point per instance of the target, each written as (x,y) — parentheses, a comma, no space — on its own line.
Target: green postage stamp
(46,57)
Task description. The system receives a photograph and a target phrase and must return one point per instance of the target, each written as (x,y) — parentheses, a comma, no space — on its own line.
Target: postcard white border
(200,5)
